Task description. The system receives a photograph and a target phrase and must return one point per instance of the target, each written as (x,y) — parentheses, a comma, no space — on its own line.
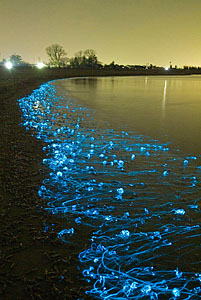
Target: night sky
(126,31)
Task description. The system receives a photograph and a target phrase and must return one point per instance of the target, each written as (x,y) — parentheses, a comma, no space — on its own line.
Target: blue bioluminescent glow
(140,198)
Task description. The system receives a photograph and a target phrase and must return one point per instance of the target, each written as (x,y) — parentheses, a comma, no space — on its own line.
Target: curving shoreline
(33,262)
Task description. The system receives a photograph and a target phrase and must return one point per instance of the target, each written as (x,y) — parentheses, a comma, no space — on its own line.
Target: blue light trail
(140,198)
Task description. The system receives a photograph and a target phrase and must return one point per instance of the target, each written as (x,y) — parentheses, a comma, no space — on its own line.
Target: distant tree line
(16,60)
(84,59)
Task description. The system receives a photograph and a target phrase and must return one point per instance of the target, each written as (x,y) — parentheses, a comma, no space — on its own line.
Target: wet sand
(33,263)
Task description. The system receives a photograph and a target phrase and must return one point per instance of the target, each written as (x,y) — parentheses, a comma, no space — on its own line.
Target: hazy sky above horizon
(126,31)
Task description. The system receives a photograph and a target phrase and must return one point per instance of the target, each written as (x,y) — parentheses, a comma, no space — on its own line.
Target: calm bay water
(125,173)
(166,108)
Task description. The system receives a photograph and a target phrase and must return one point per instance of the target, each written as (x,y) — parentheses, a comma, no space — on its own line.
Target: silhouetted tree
(16,59)
(79,56)
(77,60)
(57,56)
(85,59)
(90,57)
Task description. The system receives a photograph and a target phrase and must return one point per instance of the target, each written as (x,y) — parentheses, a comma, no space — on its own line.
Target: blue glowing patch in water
(141,200)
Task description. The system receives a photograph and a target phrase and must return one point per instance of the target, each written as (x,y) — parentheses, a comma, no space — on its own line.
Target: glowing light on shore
(40,65)
(166,68)
(116,193)
(8,65)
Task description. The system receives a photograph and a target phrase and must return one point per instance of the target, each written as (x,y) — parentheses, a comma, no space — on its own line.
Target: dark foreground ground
(33,264)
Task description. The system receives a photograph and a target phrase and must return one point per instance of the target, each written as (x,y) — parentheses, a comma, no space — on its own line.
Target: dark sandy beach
(33,263)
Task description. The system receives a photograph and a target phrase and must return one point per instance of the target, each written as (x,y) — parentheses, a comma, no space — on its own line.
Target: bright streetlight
(8,65)
(40,65)
(166,68)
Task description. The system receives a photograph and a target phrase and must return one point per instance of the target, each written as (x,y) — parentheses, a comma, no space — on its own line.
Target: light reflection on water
(140,198)
(165,108)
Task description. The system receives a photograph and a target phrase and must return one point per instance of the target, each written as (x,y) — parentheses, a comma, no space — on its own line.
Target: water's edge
(120,185)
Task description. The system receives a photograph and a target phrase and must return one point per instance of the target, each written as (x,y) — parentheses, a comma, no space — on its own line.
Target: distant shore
(32,74)
(34,264)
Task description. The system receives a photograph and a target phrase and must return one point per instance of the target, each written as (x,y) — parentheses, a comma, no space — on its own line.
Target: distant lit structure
(8,65)
(167,68)
(40,65)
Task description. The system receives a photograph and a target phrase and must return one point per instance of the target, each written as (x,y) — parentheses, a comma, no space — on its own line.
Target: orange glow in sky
(126,31)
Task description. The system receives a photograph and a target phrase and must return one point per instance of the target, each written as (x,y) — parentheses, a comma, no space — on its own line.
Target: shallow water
(117,169)
(166,108)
